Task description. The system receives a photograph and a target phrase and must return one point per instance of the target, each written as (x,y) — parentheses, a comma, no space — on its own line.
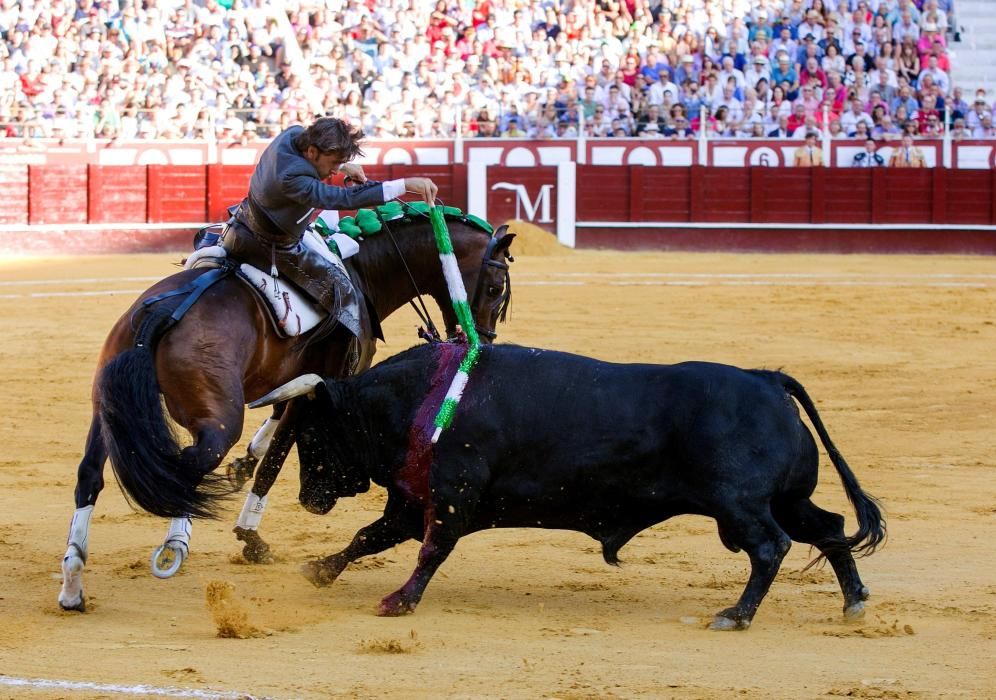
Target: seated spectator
(813,75)
(936,74)
(784,72)
(808,99)
(833,60)
(886,129)
(781,131)
(868,158)
(907,155)
(959,131)
(663,86)
(985,128)
(651,123)
(926,114)
(680,129)
(849,120)
(908,63)
(810,125)
(931,41)
(797,119)
(979,111)
(809,155)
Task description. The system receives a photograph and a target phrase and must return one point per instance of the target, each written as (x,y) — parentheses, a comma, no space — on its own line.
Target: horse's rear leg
(89,483)
(214,438)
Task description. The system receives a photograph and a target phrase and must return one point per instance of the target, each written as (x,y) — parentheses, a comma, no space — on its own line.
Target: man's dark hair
(331,135)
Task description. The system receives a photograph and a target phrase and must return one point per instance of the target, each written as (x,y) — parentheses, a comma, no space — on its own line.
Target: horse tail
(144,451)
(871,523)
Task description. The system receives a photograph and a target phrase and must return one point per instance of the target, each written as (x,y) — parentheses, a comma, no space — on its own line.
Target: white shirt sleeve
(393,189)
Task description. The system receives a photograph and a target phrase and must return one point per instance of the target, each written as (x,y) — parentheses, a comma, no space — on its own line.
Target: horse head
(493,292)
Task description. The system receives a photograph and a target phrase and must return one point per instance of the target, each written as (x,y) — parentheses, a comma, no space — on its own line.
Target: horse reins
(422,313)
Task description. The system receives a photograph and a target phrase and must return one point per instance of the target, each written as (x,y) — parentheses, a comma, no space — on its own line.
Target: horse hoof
(855,611)
(240,470)
(865,593)
(725,624)
(71,595)
(166,561)
(257,555)
(69,606)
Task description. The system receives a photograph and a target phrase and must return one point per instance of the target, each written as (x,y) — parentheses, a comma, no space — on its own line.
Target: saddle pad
(293,311)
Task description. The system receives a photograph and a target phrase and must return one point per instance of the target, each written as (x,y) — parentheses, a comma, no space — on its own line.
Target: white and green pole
(458,296)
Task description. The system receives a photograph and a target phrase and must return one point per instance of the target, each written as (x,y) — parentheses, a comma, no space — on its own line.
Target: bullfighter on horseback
(288,186)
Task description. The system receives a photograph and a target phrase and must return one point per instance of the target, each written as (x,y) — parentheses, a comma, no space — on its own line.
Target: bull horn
(295,387)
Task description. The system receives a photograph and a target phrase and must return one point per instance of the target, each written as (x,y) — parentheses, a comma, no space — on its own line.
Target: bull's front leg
(438,543)
(398,524)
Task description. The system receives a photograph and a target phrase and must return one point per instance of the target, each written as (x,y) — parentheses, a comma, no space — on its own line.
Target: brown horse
(222,353)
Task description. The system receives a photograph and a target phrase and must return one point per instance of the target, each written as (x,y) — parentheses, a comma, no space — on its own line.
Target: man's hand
(353,171)
(423,187)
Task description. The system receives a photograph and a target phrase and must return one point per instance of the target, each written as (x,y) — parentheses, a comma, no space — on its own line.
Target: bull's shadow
(551,440)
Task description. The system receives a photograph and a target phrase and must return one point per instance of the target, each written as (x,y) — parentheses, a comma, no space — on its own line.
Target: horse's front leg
(281,439)
(89,483)
(241,469)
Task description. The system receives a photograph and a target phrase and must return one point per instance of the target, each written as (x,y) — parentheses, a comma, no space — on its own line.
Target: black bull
(552,440)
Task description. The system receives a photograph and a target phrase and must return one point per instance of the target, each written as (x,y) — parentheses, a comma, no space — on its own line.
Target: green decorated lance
(458,296)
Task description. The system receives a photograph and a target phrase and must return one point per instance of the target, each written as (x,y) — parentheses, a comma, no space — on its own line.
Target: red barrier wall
(784,195)
(177,193)
(14,194)
(74,195)
(117,194)
(57,194)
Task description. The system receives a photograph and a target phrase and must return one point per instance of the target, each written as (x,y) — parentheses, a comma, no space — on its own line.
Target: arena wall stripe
(117,193)
(57,194)
(14,194)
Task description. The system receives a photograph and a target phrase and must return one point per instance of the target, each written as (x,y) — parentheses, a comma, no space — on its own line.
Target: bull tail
(143,449)
(871,524)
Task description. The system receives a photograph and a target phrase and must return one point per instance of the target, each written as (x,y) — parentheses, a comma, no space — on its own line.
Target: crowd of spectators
(232,69)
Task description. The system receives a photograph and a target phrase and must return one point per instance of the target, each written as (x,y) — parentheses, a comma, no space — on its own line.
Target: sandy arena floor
(896,351)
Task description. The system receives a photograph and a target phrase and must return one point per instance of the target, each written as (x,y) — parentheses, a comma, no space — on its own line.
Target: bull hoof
(395,606)
(726,624)
(855,611)
(319,574)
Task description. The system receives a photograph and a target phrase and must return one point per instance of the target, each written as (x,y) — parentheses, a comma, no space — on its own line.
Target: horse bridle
(501,304)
